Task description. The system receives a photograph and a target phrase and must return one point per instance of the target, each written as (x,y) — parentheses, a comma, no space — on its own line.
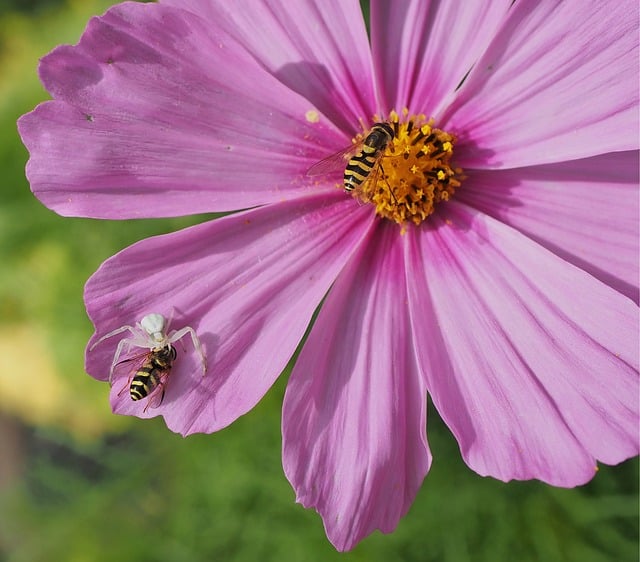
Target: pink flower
(513,305)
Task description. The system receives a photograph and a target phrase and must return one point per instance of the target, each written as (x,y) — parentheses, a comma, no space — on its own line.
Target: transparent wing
(129,367)
(156,396)
(336,162)
(367,187)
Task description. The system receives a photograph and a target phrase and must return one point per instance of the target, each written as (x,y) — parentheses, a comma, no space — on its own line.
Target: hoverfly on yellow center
(403,168)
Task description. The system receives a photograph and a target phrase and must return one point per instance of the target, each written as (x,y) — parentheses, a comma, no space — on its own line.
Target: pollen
(414,173)
(312,116)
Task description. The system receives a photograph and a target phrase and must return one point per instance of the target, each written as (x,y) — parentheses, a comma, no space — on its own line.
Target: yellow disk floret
(414,173)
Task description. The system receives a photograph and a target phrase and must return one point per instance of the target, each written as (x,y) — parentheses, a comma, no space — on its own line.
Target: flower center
(413,172)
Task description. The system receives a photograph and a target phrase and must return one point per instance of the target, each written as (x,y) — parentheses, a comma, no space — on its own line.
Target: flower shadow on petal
(119,33)
(426,330)
(468,153)
(565,208)
(64,65)
(304,79)
(104,41)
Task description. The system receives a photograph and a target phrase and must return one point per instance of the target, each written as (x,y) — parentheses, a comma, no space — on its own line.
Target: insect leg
(384,175)
(128,385)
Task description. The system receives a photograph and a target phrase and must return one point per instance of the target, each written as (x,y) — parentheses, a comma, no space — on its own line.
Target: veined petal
(422,49)
(354,443)
(560,82)
(318,49)
(537,371)
(160,113)
(585,211)
(247,283)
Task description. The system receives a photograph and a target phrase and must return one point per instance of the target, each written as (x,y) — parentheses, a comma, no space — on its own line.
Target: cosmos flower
(492,265)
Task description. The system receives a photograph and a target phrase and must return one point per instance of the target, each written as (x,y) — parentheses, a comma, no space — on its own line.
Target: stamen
(414,172)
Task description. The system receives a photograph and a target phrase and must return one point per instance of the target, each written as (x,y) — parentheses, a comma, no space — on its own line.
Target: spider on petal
(152,333)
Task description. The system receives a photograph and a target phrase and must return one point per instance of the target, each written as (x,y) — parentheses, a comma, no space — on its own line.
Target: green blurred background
(80,484)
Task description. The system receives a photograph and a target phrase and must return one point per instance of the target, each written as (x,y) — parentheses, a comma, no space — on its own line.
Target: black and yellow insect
(362,158)
(150,378)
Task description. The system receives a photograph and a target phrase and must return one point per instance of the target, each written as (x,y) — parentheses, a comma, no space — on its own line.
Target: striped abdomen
(149,376)
(362,164)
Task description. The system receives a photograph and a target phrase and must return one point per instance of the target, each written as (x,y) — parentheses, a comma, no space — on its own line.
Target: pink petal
(531,362)
(159,113)
(585,211)
(354,444)
(247,283)
(422,49)
(318,49)
(559,82)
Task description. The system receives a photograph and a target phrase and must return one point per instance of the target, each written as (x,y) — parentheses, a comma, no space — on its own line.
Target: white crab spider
(151,333)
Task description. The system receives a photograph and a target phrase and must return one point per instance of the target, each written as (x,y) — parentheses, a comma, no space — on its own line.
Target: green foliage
(136,492)
(27,5)
(148,495)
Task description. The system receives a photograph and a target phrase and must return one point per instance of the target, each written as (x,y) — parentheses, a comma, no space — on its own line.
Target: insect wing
(156,396)
(336,162)
(130,366)
(367,187)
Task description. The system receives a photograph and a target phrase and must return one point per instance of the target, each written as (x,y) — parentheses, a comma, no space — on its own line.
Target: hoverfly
(361,161)
(155,363)
(151,375)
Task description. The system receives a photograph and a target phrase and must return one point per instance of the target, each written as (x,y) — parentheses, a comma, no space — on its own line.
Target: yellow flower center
(413,172)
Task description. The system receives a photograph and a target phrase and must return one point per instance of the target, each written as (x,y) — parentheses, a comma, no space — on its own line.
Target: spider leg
(116,356)
(113,333)
(196,344)
(170,318)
